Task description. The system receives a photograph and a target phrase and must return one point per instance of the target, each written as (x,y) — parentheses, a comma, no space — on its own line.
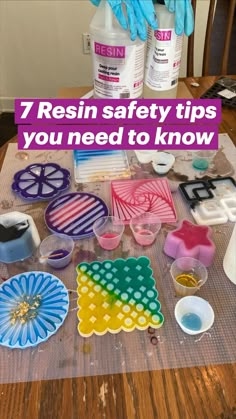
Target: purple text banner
(82,137)
(110,111)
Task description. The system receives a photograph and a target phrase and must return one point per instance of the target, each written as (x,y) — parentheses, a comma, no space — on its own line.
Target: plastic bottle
(118,62)
(164,49)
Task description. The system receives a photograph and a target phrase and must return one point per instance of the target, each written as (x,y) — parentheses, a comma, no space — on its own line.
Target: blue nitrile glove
(184,18)
(137,12)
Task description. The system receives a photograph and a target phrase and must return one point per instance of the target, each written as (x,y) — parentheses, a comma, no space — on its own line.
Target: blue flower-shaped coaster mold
(33,305)
(41,181)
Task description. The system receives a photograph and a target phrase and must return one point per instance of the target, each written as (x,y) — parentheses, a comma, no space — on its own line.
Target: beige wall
(41,47)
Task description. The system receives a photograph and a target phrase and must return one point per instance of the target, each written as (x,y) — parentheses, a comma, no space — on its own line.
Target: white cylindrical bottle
(118,62)
(164,49)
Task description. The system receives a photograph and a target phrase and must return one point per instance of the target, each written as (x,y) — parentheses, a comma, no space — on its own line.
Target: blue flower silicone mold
(41,181)
(33,306)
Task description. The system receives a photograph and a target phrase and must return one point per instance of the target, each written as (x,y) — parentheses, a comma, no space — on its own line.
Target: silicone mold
(19,237)
(195,191)
(33,305)
(100,165)
(213,201)
(41,181)
(117,295)
(131,198)
(190,240)
(74,214)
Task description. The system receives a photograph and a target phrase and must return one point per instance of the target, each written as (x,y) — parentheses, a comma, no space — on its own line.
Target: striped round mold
(74,214)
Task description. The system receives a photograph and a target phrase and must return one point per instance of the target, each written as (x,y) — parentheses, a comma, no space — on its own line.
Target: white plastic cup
(194,306)
(145,156)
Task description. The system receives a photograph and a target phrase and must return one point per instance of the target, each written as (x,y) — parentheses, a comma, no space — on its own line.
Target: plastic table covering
(67,354)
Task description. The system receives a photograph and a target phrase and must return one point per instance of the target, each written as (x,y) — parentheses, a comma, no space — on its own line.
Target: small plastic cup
(194,315)
(145,156)
(202,159)
(108,231)
(56,250)
(145,228)
(189,275)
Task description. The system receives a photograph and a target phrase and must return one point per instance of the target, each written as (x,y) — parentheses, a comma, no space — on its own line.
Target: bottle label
(118,70)
(163,61)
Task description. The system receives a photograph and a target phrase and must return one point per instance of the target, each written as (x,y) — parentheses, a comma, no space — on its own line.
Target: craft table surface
(198,392)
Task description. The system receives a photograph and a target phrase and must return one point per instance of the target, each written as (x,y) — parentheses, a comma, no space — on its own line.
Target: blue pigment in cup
(200,164)
(202,159)
(191,321)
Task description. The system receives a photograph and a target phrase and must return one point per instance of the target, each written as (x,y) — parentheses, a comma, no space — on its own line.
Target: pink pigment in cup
(145,228)
(144,237)
(109,241)
(108,231)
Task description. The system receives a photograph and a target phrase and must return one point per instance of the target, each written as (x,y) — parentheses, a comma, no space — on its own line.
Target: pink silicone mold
(190,240)
(131,198)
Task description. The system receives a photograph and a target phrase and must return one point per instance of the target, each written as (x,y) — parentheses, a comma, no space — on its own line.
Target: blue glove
(184,18)
(137,12)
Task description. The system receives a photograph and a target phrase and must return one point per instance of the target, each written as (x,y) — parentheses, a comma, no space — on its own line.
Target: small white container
(163,162)
(145,156)
(196,306)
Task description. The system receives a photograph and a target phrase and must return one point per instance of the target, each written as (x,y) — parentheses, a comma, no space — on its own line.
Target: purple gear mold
(41,181)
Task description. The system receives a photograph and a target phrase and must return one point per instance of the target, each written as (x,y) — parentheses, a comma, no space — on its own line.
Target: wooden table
(202,392)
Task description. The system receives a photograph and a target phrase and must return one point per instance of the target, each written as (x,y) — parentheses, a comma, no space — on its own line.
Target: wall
(217,41)
(41,47)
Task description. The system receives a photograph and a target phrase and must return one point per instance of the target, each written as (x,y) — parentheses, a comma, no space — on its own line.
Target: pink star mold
(190,240)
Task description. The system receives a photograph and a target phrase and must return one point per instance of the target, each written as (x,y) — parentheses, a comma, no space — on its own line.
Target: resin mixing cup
(188,275)
(56,250)
(108,231)
(202,159)
(145,228)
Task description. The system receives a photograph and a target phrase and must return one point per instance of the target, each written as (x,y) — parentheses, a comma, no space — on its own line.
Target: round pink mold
(190,240)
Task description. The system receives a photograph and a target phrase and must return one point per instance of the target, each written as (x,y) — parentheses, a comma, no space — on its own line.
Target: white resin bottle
(118,62)
(164,49)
